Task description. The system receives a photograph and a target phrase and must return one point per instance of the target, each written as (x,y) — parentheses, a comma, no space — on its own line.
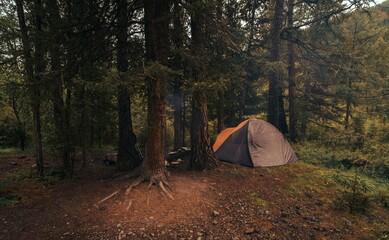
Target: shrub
(354,197)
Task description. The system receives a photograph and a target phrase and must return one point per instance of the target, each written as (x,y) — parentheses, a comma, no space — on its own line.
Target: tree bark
(157,50)
(291,78)
(274,78)
(32,89)
(128,158)
(202,156)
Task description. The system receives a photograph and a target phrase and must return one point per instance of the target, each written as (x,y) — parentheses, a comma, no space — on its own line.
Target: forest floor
(233,202)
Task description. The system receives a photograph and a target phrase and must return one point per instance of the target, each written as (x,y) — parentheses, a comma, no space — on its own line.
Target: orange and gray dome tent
(254,143)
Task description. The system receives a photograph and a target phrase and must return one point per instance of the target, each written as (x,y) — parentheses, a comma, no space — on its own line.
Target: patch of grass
(315,182)
(7,197)
(384,236)
(236,173)
(257,200)
(12,152)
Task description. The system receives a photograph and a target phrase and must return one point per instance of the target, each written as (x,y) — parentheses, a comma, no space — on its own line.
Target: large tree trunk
(274,78)
(157,50)
(291,78)
(128,158)
(32,89)
(202,156)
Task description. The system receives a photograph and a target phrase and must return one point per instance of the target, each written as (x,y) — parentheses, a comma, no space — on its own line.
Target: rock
(284,214)
(249,230)
(312,218)
(264,212)
(66,234)
(298,211)
(215,214)
(122,235)
(347,223)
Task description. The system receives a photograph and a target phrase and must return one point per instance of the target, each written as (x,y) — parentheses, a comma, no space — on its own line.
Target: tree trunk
(157,50)
(291,78)
(60,105)
(178,117)
(202,156)
(128,158)
(283,126)
(32,89)
(178,97)
(220,111)
(348,104)
(274,78)
(21,130)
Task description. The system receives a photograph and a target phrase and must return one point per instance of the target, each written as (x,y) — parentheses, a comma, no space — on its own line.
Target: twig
(129,205)
(106,198)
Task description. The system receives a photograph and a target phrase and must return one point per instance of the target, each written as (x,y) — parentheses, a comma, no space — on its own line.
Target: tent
(254,143)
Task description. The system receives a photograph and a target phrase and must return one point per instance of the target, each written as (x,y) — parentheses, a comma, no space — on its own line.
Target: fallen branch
(108,197)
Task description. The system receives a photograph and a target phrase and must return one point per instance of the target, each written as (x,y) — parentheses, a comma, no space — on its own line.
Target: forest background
(81,77)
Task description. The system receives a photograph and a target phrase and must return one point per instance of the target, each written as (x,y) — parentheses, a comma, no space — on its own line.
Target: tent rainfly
(254,143)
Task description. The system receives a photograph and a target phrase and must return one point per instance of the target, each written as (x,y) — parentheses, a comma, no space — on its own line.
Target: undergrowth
(353,180)
(10,197)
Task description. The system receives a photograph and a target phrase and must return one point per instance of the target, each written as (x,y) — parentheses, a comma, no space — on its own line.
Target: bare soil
(233,202)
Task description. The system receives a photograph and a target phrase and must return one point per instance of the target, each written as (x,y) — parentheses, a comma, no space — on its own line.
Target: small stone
(284,214)
(347,222)
(119,225)
(249,230)
(66,234)
(215,213)
(298,211)
(142,229)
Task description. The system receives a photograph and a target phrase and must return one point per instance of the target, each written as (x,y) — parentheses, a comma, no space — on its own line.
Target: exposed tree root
(160,180)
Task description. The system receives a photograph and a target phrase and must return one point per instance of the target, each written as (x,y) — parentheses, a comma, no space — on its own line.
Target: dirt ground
(233,202)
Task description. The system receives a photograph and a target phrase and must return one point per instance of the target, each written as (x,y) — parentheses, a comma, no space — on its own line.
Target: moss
(257,200)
